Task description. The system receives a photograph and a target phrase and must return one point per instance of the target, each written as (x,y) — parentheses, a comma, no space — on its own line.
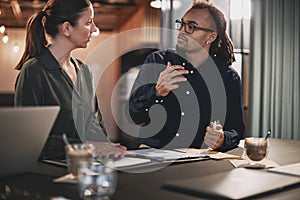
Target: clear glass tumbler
(96,181)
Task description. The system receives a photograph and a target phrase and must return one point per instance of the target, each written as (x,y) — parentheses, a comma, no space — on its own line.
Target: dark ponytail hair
(222,47)
(47,21)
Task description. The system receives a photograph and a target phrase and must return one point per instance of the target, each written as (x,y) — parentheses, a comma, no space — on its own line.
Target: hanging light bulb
(2,29)
(16,48)
(5,38)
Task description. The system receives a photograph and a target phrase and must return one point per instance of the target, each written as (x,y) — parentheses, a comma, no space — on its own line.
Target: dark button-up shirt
(43,82)
(212,92)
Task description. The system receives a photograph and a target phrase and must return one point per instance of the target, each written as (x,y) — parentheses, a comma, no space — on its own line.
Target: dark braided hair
(222,47)
(47,20)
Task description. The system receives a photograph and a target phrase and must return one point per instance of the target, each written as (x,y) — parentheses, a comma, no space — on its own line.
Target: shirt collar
(207,63)
(51,63)
(49,60)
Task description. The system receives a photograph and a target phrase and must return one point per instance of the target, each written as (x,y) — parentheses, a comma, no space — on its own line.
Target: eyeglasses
(189,27)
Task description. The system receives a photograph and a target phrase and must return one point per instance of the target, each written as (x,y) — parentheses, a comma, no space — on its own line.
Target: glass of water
(97,180)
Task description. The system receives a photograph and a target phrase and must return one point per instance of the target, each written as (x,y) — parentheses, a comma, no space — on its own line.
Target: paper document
(163,155)
(128,161)
(209,153)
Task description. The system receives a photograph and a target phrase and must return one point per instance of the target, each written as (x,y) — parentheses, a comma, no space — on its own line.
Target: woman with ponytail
(49,76)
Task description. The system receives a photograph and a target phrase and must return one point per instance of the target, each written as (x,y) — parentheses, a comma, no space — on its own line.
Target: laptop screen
(23,133)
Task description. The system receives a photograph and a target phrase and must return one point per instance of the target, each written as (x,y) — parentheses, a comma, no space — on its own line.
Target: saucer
(253,165)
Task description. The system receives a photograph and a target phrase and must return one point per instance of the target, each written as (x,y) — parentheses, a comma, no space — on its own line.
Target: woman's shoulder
(32,64)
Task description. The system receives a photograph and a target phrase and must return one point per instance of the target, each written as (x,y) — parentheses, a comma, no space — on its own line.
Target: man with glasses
(179,95)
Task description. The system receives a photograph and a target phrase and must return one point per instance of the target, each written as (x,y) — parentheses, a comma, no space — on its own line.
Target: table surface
(148,185)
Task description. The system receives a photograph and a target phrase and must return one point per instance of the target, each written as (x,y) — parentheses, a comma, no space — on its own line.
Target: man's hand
(214,136)
(169,78)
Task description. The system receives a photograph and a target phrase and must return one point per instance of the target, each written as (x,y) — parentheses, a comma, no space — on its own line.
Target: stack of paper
(128,161)
(163,155)
(209,153)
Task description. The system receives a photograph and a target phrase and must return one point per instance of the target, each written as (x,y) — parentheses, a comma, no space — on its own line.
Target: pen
(144,157)
(65,139)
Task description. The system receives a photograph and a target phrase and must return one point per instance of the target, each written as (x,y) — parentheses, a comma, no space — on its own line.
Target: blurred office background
(265,34)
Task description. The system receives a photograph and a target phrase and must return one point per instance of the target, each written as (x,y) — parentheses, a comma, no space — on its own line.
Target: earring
(207,42)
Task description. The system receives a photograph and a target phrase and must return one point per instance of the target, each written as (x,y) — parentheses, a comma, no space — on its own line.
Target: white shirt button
(183,64)
(146,109)
(177,134)
(187,92)
(192,71)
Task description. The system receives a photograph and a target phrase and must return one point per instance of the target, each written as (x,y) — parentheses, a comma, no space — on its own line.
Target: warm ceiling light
(16,48)
(2,29)
(155,4)
(5,38)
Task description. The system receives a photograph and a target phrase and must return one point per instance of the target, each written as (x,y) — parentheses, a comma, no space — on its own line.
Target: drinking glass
(255,151)
(96,180)
(76,153)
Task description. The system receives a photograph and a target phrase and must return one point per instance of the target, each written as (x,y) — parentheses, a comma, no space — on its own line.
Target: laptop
(23,133)
(238,183)
(291,169)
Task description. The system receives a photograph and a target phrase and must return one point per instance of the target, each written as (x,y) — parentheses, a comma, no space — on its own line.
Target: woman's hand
(108,149)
